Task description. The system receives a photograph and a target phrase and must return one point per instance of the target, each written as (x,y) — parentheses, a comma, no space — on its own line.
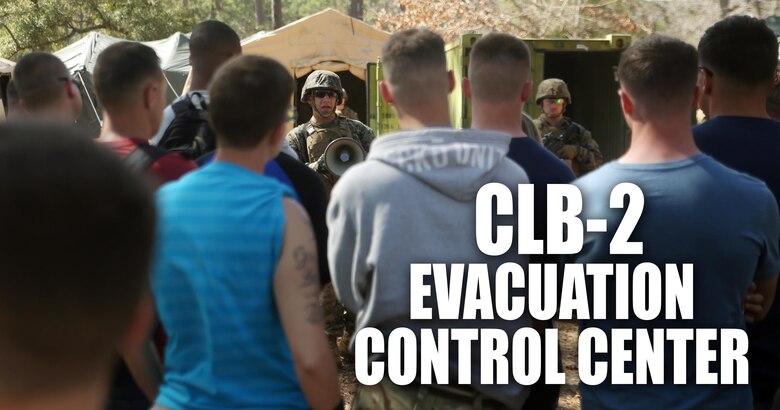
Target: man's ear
(526,93)
(23,106)
(706,84)
(71,90)
(451,81)
(696,96)
(384,91)
(466,87)
(150,95)
(626,104)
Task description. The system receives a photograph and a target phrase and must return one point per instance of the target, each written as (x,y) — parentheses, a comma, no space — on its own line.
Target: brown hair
(250,96)
(741,48)
(499,65)
(414,64)
(658,70)
(120,69)
(75,248)
(40,79)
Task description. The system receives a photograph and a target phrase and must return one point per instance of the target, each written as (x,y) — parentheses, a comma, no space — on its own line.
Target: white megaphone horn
(341,154)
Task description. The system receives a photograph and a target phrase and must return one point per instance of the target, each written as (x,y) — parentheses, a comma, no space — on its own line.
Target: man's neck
(200,81)
(57,112)
(660,140)
(554,120)
(320,120)
(87,397)
(424,116)
(118,127)
(738,105)
(497,117)
(254,160)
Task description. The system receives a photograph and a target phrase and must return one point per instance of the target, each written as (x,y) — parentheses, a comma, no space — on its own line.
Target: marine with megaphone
(314,140)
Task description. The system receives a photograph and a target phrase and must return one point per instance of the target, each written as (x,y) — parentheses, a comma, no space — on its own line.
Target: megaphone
(341,154)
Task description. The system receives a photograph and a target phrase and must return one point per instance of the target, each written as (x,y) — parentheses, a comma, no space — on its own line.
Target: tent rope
(171,86)
(91,103)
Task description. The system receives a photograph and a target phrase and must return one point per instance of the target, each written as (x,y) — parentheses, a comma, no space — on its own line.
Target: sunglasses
(554,100)
(74,78)
(323,94)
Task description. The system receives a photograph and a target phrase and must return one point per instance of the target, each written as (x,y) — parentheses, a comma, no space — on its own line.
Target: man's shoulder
(532,156)
(300,130)
(357,126)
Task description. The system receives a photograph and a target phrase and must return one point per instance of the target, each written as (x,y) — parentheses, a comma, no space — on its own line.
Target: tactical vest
(318,137)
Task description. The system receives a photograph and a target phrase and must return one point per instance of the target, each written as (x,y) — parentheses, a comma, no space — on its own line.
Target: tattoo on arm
(306,266)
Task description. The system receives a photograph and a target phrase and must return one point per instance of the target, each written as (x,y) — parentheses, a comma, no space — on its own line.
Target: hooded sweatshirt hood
(414,201)
(455,163)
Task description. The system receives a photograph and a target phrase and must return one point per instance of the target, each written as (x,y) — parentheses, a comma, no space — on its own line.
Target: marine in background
(570,141)
(323,92)
(345,111)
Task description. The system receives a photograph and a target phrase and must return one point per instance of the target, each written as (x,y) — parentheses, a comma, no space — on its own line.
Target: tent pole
(92,104)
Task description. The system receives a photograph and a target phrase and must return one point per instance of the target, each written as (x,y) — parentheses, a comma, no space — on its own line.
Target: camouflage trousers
(387,396)
(339,324)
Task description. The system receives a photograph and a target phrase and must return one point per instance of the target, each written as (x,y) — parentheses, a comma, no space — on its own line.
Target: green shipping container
(587,66)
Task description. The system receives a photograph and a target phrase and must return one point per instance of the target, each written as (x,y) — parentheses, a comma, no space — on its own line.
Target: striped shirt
(220,238)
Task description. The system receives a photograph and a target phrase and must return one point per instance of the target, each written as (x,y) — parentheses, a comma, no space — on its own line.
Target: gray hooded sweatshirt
(414,201)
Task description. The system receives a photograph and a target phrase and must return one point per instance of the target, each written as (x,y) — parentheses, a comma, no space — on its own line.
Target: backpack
(189,133)
(142,157)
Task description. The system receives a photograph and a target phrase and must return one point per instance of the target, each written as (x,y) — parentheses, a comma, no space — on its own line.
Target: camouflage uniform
(530,128)
(554,137)
(388,396)
(299,136)
(348,113)
(310,140)
(568,140)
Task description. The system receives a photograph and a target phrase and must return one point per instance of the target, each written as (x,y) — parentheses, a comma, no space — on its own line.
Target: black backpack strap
(142,157)
(303,147)
(189,132)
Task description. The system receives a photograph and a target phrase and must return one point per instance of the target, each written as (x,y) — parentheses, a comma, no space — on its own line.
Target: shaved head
(415,67)
(499,66)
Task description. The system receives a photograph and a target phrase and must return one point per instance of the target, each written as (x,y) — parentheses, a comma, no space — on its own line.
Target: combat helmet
(322,80)
(553,88)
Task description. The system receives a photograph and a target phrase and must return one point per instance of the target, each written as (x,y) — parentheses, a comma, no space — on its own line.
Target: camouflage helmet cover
(553,88)
(322,80)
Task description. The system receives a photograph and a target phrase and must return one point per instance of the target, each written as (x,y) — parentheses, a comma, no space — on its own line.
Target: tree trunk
(356,9)
(276,17)
(259,12)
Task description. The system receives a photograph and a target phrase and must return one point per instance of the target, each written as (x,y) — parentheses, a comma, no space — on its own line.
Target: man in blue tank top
(236,281)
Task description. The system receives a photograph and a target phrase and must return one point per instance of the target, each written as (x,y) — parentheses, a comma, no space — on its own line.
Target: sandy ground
(569,398)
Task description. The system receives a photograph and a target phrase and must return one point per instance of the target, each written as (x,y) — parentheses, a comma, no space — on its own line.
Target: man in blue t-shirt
(741,135)
(236,281)
(499,85)
(695,211)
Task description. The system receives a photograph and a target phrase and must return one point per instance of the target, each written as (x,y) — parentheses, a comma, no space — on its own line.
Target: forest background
(49,25)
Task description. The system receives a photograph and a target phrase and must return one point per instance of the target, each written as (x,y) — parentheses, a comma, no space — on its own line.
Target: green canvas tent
(80,58)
